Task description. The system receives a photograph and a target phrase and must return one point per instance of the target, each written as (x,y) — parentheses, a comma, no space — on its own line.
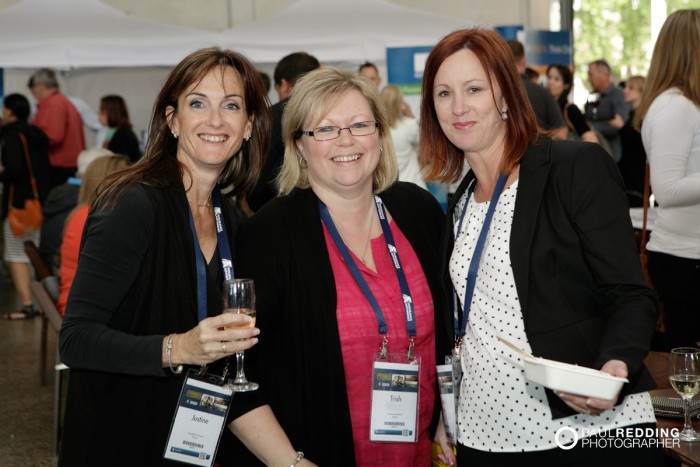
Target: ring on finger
(223,346)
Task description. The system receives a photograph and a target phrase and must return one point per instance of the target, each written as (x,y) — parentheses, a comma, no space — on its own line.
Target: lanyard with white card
(204,400)
(395,377)
(199,420)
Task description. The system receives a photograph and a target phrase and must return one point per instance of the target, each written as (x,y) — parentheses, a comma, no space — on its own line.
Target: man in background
(61,122)
(609,107)
(370,70)
(287,72)
(549,115)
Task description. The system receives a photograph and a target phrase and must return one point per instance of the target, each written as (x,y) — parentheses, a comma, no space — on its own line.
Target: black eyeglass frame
(339,129)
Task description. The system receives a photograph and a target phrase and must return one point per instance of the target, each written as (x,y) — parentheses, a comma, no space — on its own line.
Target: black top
(633,162)
(575,263)
(265,190)
(135,284)
(298,361)
(576,121)
(55,209)
(14,161)
(124,141)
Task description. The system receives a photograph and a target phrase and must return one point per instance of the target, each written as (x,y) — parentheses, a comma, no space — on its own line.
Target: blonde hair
(637,82)
(393,103)
(675,61)
(95,173)
(312,97)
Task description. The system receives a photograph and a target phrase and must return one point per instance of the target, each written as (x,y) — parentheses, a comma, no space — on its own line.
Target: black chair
(52,317)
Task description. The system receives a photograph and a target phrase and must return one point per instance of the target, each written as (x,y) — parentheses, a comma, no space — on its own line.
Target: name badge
(395,397)
(199,420)
(447,390)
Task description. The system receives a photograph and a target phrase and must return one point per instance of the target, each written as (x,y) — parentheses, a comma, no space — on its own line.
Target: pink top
(359,341)
(70,247)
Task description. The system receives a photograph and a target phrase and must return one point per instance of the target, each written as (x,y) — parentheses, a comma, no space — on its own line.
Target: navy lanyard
(476,257)
(357,275)
(224,252)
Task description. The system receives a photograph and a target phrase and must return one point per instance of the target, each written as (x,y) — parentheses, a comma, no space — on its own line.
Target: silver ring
(223,346)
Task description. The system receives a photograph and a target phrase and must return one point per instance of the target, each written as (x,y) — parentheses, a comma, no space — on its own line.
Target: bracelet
(168,348)
(300,456)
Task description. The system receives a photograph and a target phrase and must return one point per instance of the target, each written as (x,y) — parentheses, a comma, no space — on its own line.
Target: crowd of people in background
(322,200)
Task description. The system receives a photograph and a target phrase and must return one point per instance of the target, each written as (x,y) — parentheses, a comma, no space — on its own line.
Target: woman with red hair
(539,249)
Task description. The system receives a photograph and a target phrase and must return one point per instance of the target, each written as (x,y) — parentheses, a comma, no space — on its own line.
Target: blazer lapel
(534,172)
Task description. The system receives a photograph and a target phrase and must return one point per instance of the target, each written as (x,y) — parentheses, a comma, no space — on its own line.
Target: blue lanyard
(224,252)
(476,257)
(357,275)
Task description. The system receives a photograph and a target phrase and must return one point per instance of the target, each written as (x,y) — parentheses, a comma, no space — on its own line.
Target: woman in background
(72,234)
(669,115)
(120,138)
(404,133)
(560,81)
(633,162)
(15,132)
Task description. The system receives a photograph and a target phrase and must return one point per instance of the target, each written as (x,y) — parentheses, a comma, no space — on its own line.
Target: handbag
(26,220)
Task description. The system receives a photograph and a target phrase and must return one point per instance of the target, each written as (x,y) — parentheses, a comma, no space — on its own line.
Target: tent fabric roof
(67,34)
(337,30)
(88,33)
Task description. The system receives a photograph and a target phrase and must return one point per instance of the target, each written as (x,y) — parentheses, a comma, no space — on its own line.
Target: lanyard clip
(384,346)
(411,345)
(457,348)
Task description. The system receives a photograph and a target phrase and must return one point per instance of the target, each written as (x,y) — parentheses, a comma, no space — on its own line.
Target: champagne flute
(685,378)
(239,297)
(594,102)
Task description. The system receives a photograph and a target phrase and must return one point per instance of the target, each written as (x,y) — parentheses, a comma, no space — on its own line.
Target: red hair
(443,160)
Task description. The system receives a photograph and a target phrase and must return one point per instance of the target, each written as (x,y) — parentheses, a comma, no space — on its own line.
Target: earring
(247,137)
(174,135)
(504,114)
(302,162)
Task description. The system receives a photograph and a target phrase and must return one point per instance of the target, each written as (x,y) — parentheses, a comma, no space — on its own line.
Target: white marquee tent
(337,30)
(102,50)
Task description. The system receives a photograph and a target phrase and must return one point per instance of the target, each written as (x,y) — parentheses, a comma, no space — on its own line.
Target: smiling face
(345,164)
(211,121)
(465,107)
(555,82)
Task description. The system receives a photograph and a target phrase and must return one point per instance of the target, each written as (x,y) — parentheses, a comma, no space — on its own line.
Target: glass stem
(688,426)
(240,374)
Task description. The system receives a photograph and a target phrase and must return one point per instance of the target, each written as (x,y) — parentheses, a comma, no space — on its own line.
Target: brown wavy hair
(159,165)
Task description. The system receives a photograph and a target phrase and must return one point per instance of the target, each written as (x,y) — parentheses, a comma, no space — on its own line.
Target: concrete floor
(27,415)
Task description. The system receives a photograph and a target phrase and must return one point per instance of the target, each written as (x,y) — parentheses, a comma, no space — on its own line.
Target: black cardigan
(298,361)
(575,263)
(135,283)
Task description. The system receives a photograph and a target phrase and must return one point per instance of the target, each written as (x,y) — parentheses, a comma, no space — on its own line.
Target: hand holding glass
(239,297)
(684,371)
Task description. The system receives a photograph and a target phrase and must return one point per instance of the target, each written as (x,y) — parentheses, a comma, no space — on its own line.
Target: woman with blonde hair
(70,246)
(404,133)
(669,116)
(323,258)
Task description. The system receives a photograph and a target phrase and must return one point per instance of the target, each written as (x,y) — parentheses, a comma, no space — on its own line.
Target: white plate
(573,379)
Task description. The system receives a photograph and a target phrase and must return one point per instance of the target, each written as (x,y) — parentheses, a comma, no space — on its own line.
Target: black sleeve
(115,242)
(266,190)
(125,142)
(577,119)
(13,159)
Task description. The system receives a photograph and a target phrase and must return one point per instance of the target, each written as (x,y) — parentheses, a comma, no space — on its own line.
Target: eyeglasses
(327,133)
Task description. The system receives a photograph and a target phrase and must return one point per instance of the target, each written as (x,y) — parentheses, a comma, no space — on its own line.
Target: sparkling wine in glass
(684,373)
(239,297)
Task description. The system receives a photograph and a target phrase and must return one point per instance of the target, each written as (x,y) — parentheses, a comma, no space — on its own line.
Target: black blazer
(575,263)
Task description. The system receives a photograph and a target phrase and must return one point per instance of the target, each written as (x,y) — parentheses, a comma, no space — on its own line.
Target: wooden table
(688,453)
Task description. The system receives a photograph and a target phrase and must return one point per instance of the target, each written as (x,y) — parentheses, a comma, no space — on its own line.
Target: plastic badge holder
(573,379)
